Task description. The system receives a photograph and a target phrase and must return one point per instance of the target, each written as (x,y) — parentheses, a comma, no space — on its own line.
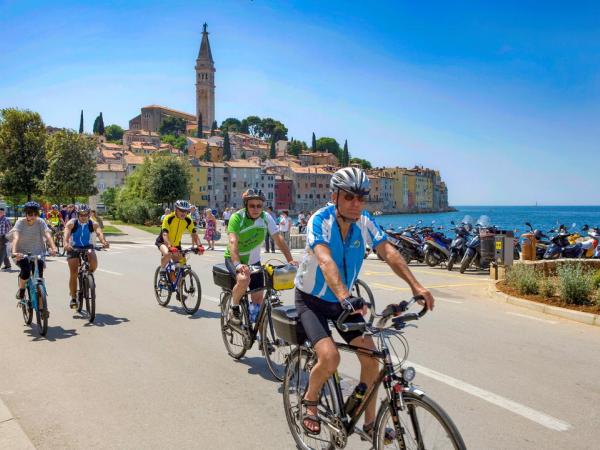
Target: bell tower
(205,83)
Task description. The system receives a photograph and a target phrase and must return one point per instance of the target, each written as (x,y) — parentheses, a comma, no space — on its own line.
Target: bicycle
(35,297)
(59,240)
(86,284)
(238,339)
(407,418)
(179,278)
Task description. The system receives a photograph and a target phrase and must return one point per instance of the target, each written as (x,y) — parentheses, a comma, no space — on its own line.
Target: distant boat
(377,213)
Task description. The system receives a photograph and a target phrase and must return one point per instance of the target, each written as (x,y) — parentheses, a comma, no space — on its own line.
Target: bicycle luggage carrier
(287,325)
(222,277)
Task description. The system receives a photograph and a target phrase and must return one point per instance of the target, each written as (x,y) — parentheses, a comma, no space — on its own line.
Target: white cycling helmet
(352,180)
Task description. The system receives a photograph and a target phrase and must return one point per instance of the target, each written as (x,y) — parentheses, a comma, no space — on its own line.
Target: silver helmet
(352,180)
(183,205)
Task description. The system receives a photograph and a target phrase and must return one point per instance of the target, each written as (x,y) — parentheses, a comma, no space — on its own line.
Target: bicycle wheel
(42,312)
(26,308)
(425,425)
(162,290)
(295,382)
(362,289)
(58,241)
(189,291)
(89,293)
(276,350)
(234,338)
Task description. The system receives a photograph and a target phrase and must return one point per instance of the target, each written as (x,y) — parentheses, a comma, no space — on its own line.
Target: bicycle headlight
(409,373)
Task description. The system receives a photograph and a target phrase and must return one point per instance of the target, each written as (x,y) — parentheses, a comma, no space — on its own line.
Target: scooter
(458,247)
(473,253)
(542,241)
(560,246)
(436,248)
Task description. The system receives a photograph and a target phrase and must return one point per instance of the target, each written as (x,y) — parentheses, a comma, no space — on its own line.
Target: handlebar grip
(340,320)
(345,327)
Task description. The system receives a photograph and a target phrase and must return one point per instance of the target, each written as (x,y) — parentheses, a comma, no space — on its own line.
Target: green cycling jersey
(251,234)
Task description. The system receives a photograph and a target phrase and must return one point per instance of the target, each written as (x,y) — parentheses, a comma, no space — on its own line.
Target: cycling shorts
(314,314)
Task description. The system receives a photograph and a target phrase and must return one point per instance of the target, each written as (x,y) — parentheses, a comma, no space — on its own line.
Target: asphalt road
(144,376)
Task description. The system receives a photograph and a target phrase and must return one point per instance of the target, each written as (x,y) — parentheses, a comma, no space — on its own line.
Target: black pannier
(287,325)
(222,277)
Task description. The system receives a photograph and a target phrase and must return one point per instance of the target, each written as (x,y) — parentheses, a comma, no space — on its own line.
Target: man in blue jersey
(336,238)
(78,236)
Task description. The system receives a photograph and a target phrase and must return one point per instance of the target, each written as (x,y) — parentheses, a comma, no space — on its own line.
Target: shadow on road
(102,320)
(200,314)
(54,333)
(257,366)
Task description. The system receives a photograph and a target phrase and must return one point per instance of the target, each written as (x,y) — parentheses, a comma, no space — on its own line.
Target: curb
(11,434)
(569,314)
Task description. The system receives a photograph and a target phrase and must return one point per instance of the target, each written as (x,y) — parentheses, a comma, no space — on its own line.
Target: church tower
(205,83)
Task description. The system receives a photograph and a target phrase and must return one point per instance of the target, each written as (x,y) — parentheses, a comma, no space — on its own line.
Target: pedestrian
(226,216)
(71,212)
(285,225)
(211,228)
(96,219)
(167,212)
(5,227)
(269,243)
(301,222)
(195,215)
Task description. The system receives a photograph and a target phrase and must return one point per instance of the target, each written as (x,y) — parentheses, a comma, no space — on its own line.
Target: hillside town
(226,162)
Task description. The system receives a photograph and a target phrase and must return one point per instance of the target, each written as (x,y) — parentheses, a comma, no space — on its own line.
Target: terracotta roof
(317,170)
(242,164)
(142,132)
(109,168)
(134,159)
(211,164)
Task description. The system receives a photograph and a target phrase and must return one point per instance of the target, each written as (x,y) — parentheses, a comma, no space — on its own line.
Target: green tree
(296,147)
(213,127)
(231,124)
(207,152)
(199,126)
(252,125)
(226,147)
(272,129)
(22,152)
(169,178)
(172,125)
(363,162)
(179,142)
(329,145)
(101,125)
(81,123)
(96,122)
(313,144)
(109,198)
(113,133)
(70,153)
(345,155)
(272,152)
(243,155)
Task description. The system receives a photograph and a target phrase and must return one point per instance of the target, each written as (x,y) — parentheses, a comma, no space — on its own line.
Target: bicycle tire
(79,294)
(27,309)
(186,291)
(238,349)
(90,297)
(41,318)
(362,289)
(294,387)
(419,410)
(275,350)
(161,290)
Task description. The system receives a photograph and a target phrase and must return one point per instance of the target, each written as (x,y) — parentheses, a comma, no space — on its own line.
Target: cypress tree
(313,145)
(96,122)
(272,153)
(101,126)
(345,156)
(226,147)
(213,127)
(207,152)
(81,123)
(199,125)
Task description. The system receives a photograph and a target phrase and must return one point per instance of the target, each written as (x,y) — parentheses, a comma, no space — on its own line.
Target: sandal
(389,436)
(313,418)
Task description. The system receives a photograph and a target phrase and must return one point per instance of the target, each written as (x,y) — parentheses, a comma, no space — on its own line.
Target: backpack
(90,226)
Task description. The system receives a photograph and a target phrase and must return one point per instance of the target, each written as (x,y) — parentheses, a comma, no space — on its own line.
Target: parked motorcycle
(473,253)
(436,248)
(458,247)
(542,241)
(594,234)
(561,247)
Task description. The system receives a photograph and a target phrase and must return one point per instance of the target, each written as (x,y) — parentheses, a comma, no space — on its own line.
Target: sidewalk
(11,434)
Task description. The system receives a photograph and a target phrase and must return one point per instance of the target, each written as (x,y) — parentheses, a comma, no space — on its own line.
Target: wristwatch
(238,265)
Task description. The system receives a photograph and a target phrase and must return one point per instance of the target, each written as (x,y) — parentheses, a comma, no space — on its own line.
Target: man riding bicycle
(247,230)
(54,219)
(29,235)
(336,239)
(173,226)
(78,236)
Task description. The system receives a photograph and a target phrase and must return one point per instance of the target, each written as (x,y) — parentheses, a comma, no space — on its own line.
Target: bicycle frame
(31,285)
(179,271)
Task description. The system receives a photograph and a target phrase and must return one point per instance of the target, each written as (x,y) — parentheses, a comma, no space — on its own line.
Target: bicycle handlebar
(350,326)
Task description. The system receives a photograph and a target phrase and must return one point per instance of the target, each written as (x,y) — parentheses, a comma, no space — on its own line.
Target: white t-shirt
(284,224)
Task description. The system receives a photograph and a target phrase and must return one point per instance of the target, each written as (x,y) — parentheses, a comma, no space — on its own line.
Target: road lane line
(97,270)
(538,417)
(456,302)
(437,286)
(552,322)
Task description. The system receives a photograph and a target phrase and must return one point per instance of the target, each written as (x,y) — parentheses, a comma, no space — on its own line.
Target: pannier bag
(281,278)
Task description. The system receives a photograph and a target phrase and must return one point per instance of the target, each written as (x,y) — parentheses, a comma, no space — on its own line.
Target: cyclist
(336,239)
(173,226)
(78,236)
(54,219)
(29,235)
(247,229)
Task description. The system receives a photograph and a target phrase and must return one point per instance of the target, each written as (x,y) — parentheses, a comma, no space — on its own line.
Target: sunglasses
(30,213)
(351,197)
(255,205)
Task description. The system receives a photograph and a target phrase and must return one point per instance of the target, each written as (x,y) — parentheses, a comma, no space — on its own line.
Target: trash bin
(488,246)
(528,243)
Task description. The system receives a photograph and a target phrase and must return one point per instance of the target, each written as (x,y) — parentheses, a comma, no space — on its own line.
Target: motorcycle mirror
(574,225)
(529,225)
(432,222)
(586,227)
(452,222)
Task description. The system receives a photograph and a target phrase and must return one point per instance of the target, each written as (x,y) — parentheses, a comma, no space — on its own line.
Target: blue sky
(503,98)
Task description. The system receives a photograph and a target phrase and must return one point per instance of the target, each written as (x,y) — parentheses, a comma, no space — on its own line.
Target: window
(233,184)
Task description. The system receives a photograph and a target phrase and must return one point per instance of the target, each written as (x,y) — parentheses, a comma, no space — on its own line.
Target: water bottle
(355,399)
(253,309)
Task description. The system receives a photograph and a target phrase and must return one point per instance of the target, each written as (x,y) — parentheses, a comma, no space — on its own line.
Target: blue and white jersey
(348,254)
(81,234)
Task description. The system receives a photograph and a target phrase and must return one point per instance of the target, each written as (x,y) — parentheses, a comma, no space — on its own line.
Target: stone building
(318,159)
(205,83)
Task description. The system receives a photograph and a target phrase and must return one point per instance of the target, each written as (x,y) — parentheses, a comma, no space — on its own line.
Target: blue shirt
(81,235)
(348,254)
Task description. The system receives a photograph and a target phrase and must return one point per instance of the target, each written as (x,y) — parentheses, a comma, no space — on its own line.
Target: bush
(596,279)
(547,287)
(524,279)
(598,297)
(134,211)
(574,284)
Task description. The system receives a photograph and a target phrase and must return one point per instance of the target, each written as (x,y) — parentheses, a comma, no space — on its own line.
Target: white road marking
(97,270)
(538,417)
(448,301)
(553,322)
(211,299)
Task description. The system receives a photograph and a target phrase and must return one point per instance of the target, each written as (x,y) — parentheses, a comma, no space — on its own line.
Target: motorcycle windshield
(467,220)
(484,221)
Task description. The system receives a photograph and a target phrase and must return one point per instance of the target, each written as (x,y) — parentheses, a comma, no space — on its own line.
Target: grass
(524,279)
(154,229)
(112,230)
(574,284)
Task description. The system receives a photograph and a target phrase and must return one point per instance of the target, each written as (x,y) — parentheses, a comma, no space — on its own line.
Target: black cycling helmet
(183,205)
(253,194)
(83,209)
(351,179)
(31,206)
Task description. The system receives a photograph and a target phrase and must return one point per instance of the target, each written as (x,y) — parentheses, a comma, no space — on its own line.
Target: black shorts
(26,269)
(257,280)
(77,250)
(314,314)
